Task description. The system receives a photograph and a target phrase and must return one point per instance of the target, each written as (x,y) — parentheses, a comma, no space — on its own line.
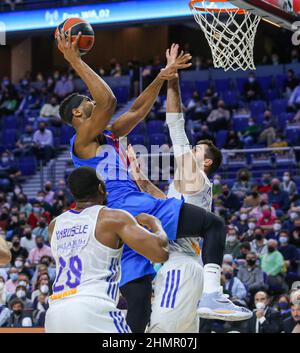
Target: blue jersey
(111,163)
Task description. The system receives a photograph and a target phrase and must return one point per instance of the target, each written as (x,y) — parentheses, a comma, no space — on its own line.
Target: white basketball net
(230,35)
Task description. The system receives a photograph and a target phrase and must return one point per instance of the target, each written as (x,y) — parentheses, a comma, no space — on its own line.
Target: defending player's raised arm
(5,254)
(151,244)
(189,178)
(100,91)
(144,103)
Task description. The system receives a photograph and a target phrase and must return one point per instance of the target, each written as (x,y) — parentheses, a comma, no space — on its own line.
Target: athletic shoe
(217,306)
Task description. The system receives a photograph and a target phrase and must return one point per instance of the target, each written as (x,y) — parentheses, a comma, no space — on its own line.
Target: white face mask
(243,216)
(1,285)
(251,225)
(18,264)
(21,293)
(277,227)
(260,306)
(283,240)
(217,182)
(44,288)
(23,283)
(293,215)
(286,178)
(231,238)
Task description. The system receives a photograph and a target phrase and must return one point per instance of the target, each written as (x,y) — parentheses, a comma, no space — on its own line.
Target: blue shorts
(135,266)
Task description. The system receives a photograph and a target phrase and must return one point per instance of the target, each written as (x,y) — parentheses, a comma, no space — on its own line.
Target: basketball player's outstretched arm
(100,91)
(144,103)
(152,243)
(5,254)
(188,177)
(141,179)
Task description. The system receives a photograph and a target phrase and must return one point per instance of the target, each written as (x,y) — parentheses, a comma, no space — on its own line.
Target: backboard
(282,13)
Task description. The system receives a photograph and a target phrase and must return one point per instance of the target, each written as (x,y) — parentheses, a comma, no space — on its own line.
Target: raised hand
(68,48)
(172,53)
(182,61)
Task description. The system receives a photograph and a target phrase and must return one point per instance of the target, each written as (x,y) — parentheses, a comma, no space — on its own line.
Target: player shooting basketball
(100,149)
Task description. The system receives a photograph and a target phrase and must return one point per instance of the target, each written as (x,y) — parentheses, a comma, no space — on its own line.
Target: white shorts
(84,315)
(177,291)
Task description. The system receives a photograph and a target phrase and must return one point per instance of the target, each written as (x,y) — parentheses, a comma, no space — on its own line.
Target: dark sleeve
(25,253)
(272,324)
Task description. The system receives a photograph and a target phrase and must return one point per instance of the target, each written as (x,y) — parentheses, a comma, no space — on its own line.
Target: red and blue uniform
(123,193)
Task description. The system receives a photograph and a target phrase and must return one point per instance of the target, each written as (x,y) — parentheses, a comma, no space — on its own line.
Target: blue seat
(202,86)
(221,138)
(138,130)
(292,135)
(155,126)
(278,106)
(66,134)
(137,140)
(27,165)
(10,122)
(230,98)
(272,94)
(9,138)
(122,94)
(239,124)
(157,139)
(283,118)
(222,86)
(265,82)
(240,82)
(257,107)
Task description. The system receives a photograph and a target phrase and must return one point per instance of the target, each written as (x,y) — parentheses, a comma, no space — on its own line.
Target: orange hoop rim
(193,6)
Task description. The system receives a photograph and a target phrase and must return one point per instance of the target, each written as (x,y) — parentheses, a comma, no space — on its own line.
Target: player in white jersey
(87,245)
(181,280)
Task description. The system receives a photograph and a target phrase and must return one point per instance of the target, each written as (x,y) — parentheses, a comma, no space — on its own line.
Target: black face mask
(4,216)
(17,312)
(16,243)
(275,187)
(254,193)
(28,235)
(251,262)
(42,224)
(39,245)
(271,249)
(42,129)
(48,188)
(225,193)
(258,236)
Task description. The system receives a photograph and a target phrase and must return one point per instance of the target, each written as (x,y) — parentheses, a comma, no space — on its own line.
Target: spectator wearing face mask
(265,319)
(28,240)
(288,185)
(250,133)
(252,275)
(291,257)
(295,231)
(232,285)
(42,287)
(37,212)
(17,250)
(49,197)
(249,234)
(265,185)
(267,220)
(253,199)
(243,185)
(12,283)
(277,197)
(245,248)
(22,293)
(275,231)
(233,141)
(61,187)
(272,263)
(259,245)
(24,205)
(252,89)
(292,323)
(232,245)
(42,229)
(283,306)
(218,118)
(60,202)
(229,199)
(257,212)
(40,307)
(43,138)
(38,252)
(20,265)
(18,317)
(242,223)
(41,198)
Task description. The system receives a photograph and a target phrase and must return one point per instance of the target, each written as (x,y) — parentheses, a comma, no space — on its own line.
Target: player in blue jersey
(96,145)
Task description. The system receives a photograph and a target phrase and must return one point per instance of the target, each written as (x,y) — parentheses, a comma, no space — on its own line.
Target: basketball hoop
(230,33)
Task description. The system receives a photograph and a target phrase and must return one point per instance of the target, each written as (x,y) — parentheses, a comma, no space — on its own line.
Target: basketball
(77,25)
